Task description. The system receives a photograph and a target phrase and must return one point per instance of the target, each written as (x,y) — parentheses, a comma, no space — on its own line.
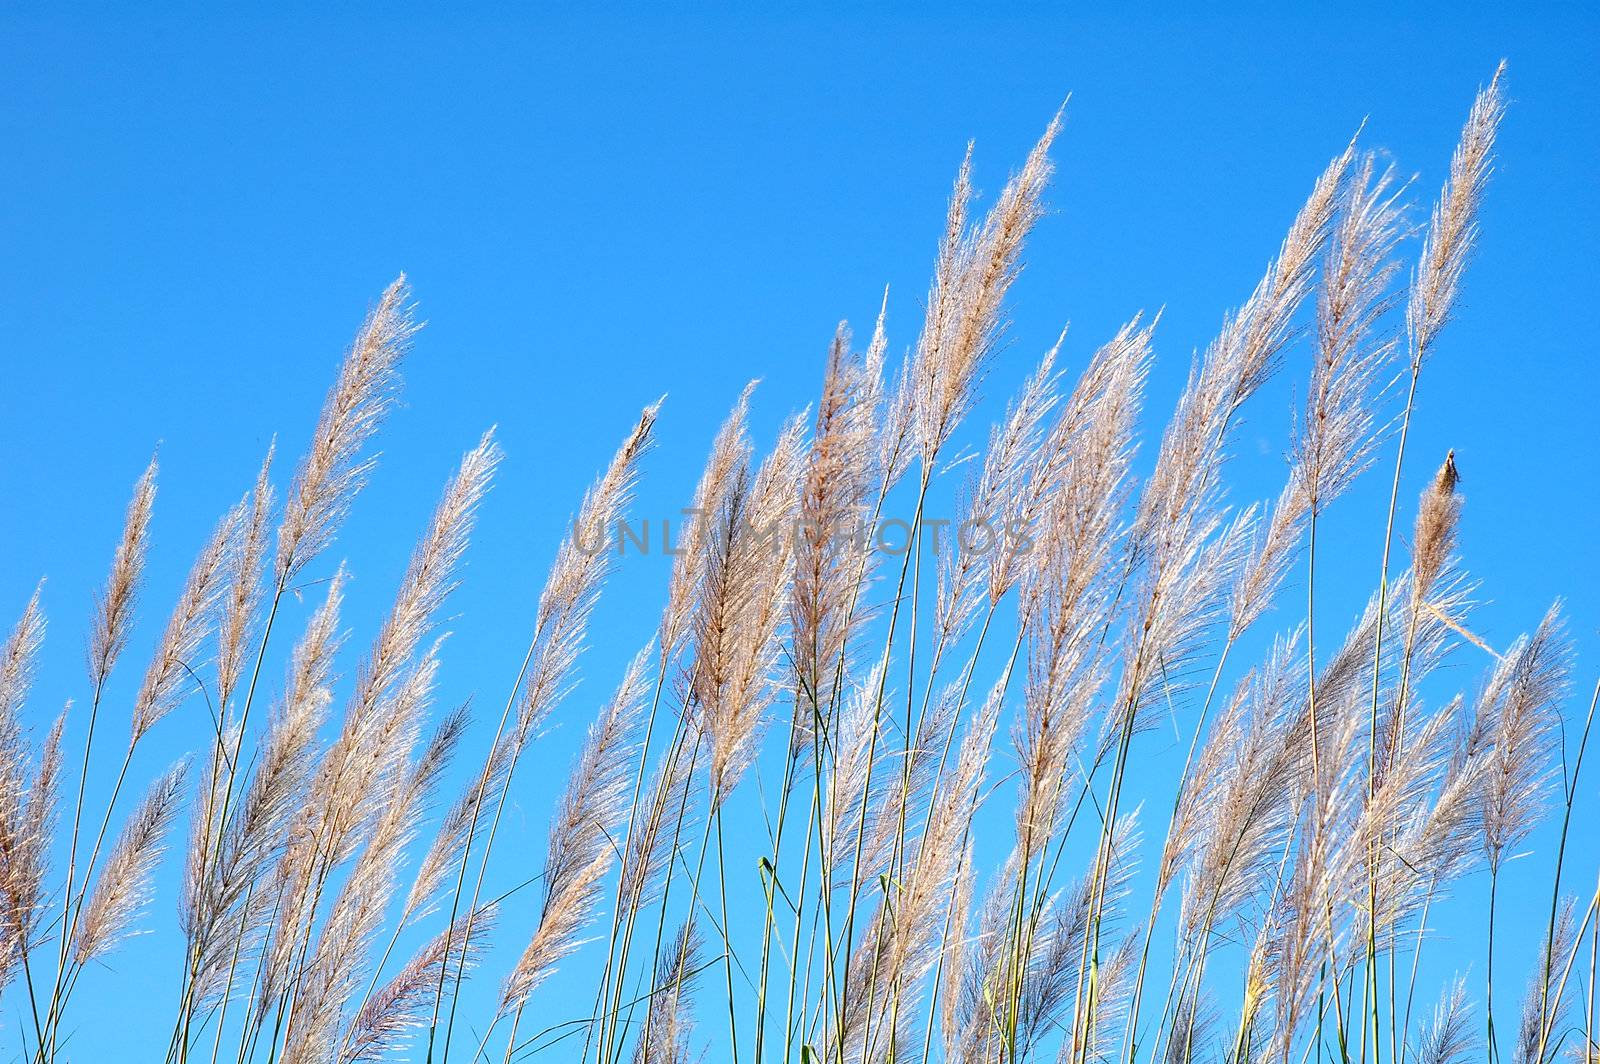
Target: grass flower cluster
(1330,800)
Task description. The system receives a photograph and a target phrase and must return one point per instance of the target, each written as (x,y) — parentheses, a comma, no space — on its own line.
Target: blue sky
(598,207)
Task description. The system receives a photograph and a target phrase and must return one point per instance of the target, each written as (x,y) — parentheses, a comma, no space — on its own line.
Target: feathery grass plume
(1068,595)
(1345,728)
(963,323)
(114,605)
(850,744)
(1431,838)
(383,1025)
(1335,442)
(650,847)
(730,453)
(1053,979)
(669,1022)
(1438,515)
(898,801)
(1176,515)
(1064,677)
(988,503)
(560,627)
(1253,1036)
(656,826)
(748,568)
(458,828)
(292,888)
(1398,812)
(269,804)
(1317,861)
(334,972)
(1453,227)
(835,557)
(1173,517)
(349,804)
(1258,1036)
(430,877)
(332,471)
(895,415)
(1444,843)
(1079,536)
(1450,1037)
(43,801)
(1238,867)
(654,834)
(124,884)
(648,844)
(352,788)
(19,659)
(1191,1028)
(975,270)
(327,480)
(29,800)
(954,950)
(1523,700)
(897,443)
(1448,245)
(175,662)
(244,587)
(903,940)
(226,913)
(1520,707)
(1186,552)
(22,843)
(582,564)
(1251,801)
(196,903)
(832,545)
(346,775)
(431,575)
(1093,1038)
(1351,667)
(1235,365)
(376,736)
(920,385)
(1546,1005)
(1182,599)
(1197,789)
(1414,804)
(580,850)
(1076,483)
(1431,630)
(1335,438)
(1318,886)
(1067,591)
(1275,543)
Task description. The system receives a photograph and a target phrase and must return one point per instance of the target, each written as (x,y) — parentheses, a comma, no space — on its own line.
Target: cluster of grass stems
(1328,801)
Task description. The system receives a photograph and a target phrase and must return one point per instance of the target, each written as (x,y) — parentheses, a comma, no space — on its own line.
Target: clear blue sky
(196,208)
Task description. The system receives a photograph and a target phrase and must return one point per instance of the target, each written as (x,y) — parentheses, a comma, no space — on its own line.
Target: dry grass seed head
(581,849)
(114,605)
(173,668)
(573,585)
(1453,228)
(124,886)
(333,471)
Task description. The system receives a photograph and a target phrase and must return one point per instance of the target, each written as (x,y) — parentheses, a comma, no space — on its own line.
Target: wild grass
(998,679)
